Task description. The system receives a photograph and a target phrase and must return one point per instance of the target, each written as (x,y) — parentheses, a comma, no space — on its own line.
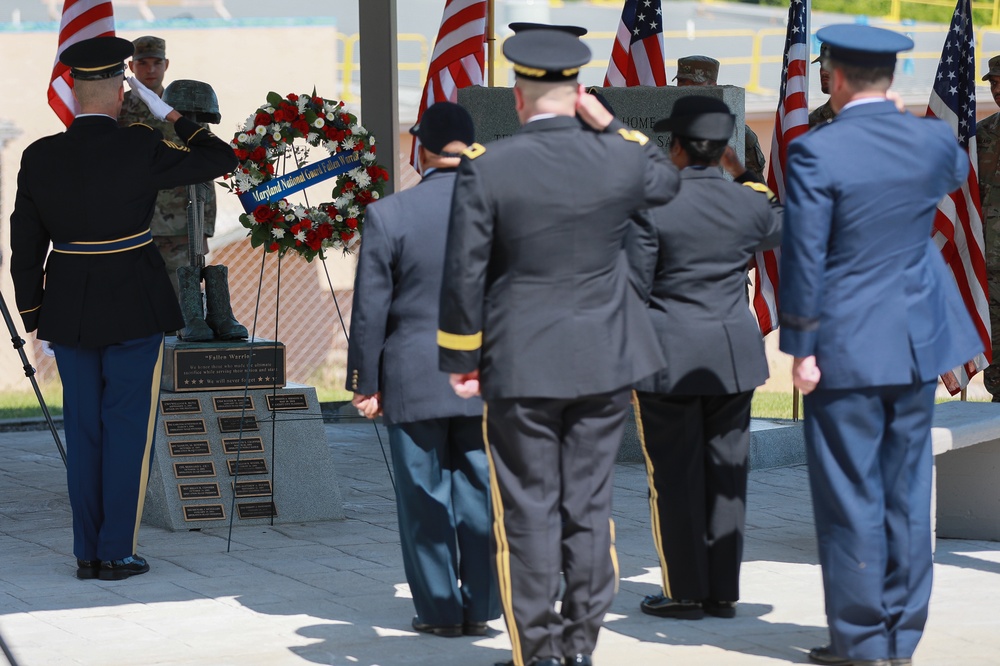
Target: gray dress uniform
(537,297)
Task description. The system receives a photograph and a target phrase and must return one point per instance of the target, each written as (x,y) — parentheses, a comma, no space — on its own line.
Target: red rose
(346,118)
(351,222)
(292,96)
(258,154)
(325,231)
(301,125)
(348,185)
(273,247)
(314,241)
(261,119)
(263,213)
(318,101)
(346,235)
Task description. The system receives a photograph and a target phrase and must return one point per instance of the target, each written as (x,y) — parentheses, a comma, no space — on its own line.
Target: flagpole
(490,40)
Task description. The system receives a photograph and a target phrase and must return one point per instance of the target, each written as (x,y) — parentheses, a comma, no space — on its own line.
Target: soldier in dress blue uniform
(102,296)
(872,317)
(694,415)
(537,308)
(442,481)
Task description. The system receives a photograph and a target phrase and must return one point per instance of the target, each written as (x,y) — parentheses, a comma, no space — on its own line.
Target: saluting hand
(156,106)
(592,112)
(805,374)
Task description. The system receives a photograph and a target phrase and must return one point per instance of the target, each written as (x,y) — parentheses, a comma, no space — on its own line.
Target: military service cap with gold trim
(97,58)
(546,55)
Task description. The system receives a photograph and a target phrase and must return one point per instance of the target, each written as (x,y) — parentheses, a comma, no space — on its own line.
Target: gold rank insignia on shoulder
(177,146)
(757,187)
(634,135)
(474,151)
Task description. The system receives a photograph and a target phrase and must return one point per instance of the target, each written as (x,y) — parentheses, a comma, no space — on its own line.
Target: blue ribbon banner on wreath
(280,187)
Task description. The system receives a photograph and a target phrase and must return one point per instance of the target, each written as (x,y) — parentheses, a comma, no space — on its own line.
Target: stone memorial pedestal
(492,109)
(223,451)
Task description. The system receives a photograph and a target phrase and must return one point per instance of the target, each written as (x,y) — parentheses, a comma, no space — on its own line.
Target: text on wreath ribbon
(280,187)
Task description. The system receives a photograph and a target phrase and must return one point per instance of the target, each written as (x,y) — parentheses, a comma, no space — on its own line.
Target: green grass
(23,404)
(772,406)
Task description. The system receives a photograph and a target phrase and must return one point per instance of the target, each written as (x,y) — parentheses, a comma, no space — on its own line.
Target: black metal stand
(29,372)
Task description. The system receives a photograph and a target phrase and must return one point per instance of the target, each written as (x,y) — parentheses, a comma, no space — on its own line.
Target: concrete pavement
(334,592)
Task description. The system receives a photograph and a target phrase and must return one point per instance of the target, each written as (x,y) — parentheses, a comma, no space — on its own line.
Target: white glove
(157,106)
(47,348)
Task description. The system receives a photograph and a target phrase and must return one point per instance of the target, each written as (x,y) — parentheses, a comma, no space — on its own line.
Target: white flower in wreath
(344,201)
(353,211)
(340,218)
(283,205)
(278,232)
(374,195)
(269,109)
(243,137)
(368,157)
(330,115)
(318,123)
(302,103)
(362,131)
(260,130)
(349,143)
(276,136)
(331,147)
(290,217)
(300,237)
(361,177)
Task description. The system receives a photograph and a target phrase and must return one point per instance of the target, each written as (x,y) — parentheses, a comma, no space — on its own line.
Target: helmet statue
(193,99)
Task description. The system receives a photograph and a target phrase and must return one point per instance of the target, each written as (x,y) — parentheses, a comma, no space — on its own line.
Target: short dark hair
(701,152)
(864,78)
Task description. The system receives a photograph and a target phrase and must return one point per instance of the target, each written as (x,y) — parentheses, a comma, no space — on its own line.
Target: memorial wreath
(266,139)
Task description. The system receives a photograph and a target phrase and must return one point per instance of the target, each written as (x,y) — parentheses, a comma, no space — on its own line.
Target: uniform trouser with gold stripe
(696,455)
(552,462)
(109,411)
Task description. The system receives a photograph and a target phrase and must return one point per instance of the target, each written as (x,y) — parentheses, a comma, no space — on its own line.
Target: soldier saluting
(102,296)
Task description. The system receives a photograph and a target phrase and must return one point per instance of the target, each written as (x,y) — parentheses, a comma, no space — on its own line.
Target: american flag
(958,224)
(790,121)
(459,56)
(81,19)
(637,56)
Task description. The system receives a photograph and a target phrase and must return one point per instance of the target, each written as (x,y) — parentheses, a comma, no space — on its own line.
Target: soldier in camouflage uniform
(824,113)
(988,146)
(699,70)
(169,223)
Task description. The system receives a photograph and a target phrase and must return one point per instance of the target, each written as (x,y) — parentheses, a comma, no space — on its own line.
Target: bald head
(101,96)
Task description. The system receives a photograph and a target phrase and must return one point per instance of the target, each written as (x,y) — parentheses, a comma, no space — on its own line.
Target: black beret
(699,117)
(863,45)
(521,26)
(546,54)
(97,58)
(443,123)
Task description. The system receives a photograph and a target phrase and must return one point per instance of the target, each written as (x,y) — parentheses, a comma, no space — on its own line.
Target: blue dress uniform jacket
(561,318)
(696,291)
(98,182)
(394,322)
(863,287)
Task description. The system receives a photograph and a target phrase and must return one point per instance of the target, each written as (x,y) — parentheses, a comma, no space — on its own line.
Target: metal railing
(992,6)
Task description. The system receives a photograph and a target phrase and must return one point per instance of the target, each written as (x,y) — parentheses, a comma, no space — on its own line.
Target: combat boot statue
(219,310)
(195,329)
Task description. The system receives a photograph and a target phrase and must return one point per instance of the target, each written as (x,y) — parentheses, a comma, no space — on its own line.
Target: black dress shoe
(475,628)
(579,660)
(133,565)
(444,630)
(824,655)
(661,606)
(901,661)
(87,569)
(725,609)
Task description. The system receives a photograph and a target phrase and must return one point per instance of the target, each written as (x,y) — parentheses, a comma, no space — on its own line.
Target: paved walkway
(334,593)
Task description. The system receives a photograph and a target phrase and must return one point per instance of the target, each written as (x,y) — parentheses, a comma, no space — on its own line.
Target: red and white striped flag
(790,121)
(958,223)
(459,56)
(81,19)
(637,56)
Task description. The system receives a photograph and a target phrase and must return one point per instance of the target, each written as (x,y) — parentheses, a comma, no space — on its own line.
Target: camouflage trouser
(991,376)
(174,250)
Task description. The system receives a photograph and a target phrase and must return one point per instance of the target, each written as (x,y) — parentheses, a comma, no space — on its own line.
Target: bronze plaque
(233,403)
(277,403)
(197,447)
(247,466)
(191,491)
(227,366)
(256,510)
(186,427)
(232,423)
(244,445)
(195,512)
(180,406)
(194,470)
(253,488)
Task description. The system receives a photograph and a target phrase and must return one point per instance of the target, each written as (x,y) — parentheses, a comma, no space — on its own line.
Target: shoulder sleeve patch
(474,151)
(177,146)
(141,125)
(634,135)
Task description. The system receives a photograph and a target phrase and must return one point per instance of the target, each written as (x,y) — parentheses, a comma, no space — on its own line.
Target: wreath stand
(236,443)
